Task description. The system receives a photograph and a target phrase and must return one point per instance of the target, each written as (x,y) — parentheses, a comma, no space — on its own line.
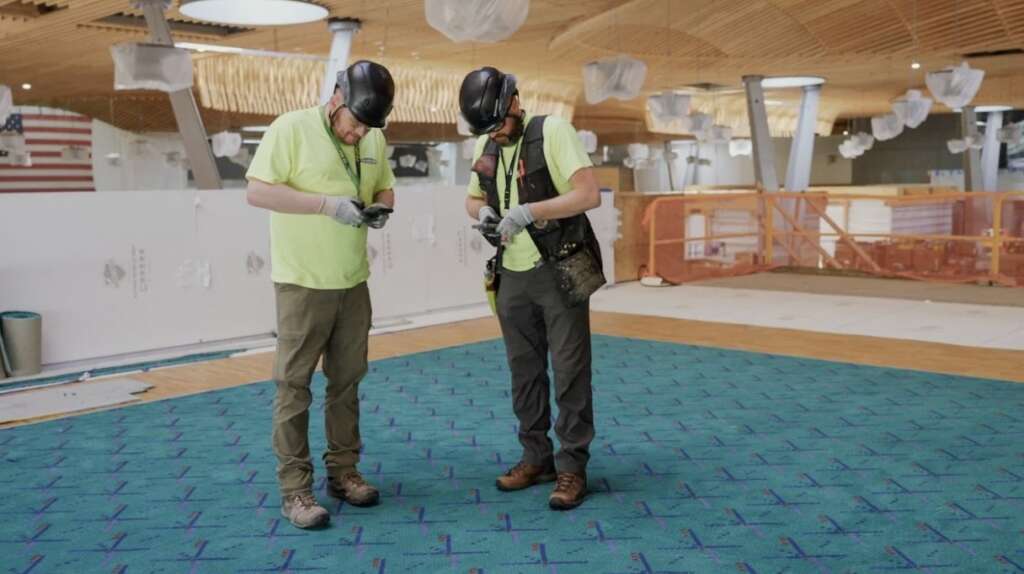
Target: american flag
(59,145)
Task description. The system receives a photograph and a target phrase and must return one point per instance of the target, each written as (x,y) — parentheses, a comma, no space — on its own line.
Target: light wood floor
(977,362)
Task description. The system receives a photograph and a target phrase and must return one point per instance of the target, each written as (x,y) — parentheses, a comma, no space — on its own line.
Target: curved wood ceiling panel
(863,47)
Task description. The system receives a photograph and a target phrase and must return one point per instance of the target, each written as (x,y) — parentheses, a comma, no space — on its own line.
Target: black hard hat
(369,92)
(485,97)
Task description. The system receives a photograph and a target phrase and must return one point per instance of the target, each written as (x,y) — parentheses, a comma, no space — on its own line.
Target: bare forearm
(385,197)
(473,205)
(585,195)
(282,199)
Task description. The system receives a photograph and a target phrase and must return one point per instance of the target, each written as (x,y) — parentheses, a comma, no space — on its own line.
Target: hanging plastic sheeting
(226,144)
(639,155)
(955,86)
(589,140)
(619,77)
(912,109)
(1011,134)
(741,147)
(668,107)
(476,20)
(151,67)
(886,127)
(6,103)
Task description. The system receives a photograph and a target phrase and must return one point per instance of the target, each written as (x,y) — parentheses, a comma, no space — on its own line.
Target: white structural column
(971,159)
(764,152)
(798,172)
(183,102)
(342,32)
(990,153)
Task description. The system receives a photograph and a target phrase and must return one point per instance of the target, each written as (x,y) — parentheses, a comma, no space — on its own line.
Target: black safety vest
(557,240)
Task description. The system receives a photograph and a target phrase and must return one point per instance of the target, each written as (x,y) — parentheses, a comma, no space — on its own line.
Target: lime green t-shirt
(564,154)
(316,251)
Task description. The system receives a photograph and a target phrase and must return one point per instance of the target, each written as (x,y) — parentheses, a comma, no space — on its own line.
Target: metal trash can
(22,333)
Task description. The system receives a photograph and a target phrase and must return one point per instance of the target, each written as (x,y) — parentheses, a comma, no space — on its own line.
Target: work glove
(344,210)
(488,226)
(514,222)
(376,215)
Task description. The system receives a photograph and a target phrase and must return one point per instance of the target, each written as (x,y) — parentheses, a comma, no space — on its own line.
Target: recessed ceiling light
(26,86)
(792,81)
(915,65)
(987,109)
(253,12)
(846,132)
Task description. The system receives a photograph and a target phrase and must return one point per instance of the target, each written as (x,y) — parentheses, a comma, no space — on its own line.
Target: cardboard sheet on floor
(69,398)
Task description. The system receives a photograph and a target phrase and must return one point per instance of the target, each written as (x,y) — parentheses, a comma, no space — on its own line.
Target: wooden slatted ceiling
(863,46)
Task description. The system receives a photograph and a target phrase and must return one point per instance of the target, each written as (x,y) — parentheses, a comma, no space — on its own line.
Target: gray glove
(515,221)
(376,215)
(487,215)
(345,210)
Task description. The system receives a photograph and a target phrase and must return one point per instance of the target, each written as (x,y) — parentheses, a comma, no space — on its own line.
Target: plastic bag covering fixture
(589,140)
(962,145)
(1011,134)
(476,20)
(6,103)
(697,122)
(226,144)
(886,127)
(667,107)
(619,77)
(912,109)
(740,147)
(716,134)
(956,86)
(856,145)
(639,155)
(151,67)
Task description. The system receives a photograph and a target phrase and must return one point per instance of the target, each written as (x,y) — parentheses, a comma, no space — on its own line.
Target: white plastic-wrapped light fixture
(912,109)
(226,144)
(863,140)
(955,86)
(856,145)
(619,77)
(961,145)
(639,155)
(1011,134)
(667,107)
(741,147)
(697,122)
(588,139)
(719,134)
(476,20)
(151,67)
(886,127)
(6,103)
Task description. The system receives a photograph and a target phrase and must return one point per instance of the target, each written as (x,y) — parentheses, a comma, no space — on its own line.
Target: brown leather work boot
(524,475)
(353,489)
(570,490)
(303,511)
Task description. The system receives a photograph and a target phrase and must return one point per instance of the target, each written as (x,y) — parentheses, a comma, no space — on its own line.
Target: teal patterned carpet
(706,460)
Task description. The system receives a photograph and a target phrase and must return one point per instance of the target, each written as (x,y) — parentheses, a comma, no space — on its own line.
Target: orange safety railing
(960,237)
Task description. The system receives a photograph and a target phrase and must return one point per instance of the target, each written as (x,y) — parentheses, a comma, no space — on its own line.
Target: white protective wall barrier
(117,273)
